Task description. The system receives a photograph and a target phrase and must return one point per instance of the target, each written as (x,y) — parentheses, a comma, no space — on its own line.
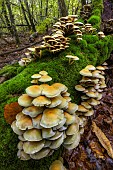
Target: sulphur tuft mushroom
(91,86)
(72,58)
(47,120)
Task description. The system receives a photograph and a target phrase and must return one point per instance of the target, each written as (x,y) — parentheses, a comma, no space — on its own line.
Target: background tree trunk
(62,8)
(12,22)
(6,18)
(30,16)
(24,14)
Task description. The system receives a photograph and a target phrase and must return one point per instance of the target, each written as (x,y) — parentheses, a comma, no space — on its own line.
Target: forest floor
(7,44)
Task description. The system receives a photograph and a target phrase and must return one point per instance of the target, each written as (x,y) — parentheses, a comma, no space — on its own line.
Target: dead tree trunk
(12,21)
(62,8)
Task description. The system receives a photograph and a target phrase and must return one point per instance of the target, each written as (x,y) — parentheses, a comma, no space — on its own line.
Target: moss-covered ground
(90,50)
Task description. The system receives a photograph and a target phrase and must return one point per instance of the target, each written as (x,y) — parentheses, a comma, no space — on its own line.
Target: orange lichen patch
(10,111)
(103,139)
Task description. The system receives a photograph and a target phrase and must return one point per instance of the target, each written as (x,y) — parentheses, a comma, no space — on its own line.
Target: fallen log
(19,49)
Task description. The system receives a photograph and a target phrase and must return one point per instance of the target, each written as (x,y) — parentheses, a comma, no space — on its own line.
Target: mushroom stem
(71,61)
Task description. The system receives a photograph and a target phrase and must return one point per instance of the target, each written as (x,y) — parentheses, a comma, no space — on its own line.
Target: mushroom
(35,77)
(39,155)
(33,147)
(72,58)
(101,34)
(57,165)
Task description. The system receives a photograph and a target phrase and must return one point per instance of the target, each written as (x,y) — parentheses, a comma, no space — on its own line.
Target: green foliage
(43,25)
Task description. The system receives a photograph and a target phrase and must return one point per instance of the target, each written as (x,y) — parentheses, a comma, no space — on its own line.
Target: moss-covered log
(90,50)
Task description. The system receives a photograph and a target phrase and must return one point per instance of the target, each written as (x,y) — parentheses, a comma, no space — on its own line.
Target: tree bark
(24,14)
(12,21)
(46,10)
(62,8)
(6,18)
(30,16)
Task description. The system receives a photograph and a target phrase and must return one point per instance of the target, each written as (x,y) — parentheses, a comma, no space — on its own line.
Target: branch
(21,48)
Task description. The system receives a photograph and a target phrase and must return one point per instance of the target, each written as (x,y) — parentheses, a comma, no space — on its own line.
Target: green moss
(95,18)
(11,70)
(95,21)
(97,12)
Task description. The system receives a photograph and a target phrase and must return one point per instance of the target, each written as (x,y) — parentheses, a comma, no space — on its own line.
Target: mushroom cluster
(91,85)
(48,120)
(86,12)
(56,42)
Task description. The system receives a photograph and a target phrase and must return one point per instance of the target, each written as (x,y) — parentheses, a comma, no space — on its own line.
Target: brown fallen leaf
(96,149)
(103,139)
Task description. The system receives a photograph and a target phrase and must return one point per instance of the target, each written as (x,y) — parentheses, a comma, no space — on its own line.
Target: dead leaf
(103,139)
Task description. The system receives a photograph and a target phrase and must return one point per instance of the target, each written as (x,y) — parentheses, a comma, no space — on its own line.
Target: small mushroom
(72,58)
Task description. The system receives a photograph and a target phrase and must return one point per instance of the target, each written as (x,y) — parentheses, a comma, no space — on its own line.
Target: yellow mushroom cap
(23,122)
(89,113)
(91,94)
(74,144)
(36,76)
(56,144)
(72,57)
(41,154)
(82,108)
(36,121)
(34,90)
(56,165)
(45,78)
(62,88)
(55,101)
(78,23)
(86,105)
(71,138)
(63,104)
(79,88)
(93,102)
(51,117)
(47,132)
(90,67)
(25,100)
(32,135)
(33,147)
(32,111)
(100,33)
(50,91)
(16,129)
(22,155)
(100,68)
(72,108)
(69,118)
(72,129)
(43,73)
(41,101)
(86,72)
